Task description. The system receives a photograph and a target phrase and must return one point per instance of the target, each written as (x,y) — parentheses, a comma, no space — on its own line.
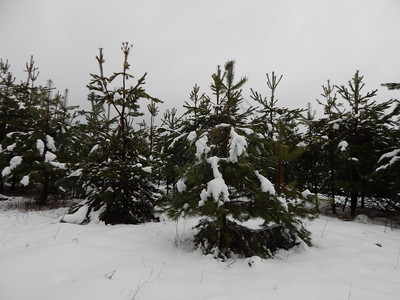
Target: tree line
(222,159)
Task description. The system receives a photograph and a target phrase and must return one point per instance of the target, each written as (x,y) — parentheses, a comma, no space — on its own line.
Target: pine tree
(365,128)
(34,128)
(225,187)
(330,137)
(279,126)
(117,172)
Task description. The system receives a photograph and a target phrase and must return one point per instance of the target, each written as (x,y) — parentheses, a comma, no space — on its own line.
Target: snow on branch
(266,185)
(201,146)
(237,146)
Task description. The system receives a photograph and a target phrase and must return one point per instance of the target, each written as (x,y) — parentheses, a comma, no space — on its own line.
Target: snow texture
(237,146)
(40,146)
(41,258)
(266,185)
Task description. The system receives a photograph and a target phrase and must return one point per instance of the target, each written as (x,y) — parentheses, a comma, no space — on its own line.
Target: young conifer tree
(117,171)
(366,131)
(34,127)
(224,186)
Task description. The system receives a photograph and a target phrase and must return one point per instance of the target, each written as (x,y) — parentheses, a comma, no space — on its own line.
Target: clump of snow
(237,146)
(50,143)
(343,145)
(76,173)
(186,206)
(301,145)
(180,185)
(49,156)
(389,154)
(363,219)
(58,165)
(191,136)
(266,185)
(216,189)
(393,155)
(247,131)
(147,169)
(176,139)
(213,161)
(94,148)
(40,146)
(283,202)
(25,180)
(306,193)
(14,162)
(201,146)
(11,147)
(6,171)
(78,217)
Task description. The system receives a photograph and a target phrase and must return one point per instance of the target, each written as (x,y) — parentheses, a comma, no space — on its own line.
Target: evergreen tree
(117,172)
(225,187)
(387,173)
(366,131)
(279,127)
(30,148)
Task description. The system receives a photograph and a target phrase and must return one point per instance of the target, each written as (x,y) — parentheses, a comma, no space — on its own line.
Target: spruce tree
(225,187)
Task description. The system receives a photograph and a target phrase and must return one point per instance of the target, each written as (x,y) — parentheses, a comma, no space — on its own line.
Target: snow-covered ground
(41,258)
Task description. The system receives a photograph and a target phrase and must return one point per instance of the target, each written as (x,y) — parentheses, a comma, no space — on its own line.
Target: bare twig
(139,287)
(162,268)
(323,231)
(54,237)
(110,275)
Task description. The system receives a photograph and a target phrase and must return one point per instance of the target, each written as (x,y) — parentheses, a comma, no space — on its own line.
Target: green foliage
(117,173)
(223,183)
(35,126)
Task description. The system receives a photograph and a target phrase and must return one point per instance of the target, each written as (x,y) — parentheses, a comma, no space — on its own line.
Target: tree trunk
(353,204)
(362,200)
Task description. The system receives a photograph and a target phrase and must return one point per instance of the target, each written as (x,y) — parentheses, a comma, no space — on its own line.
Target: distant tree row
(224,160)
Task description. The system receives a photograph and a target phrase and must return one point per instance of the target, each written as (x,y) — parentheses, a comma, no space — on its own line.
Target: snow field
(41,258)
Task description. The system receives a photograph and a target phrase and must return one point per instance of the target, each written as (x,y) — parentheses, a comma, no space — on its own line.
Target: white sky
(180,43)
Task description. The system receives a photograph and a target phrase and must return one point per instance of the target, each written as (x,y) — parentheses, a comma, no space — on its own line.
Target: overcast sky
(180,43)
